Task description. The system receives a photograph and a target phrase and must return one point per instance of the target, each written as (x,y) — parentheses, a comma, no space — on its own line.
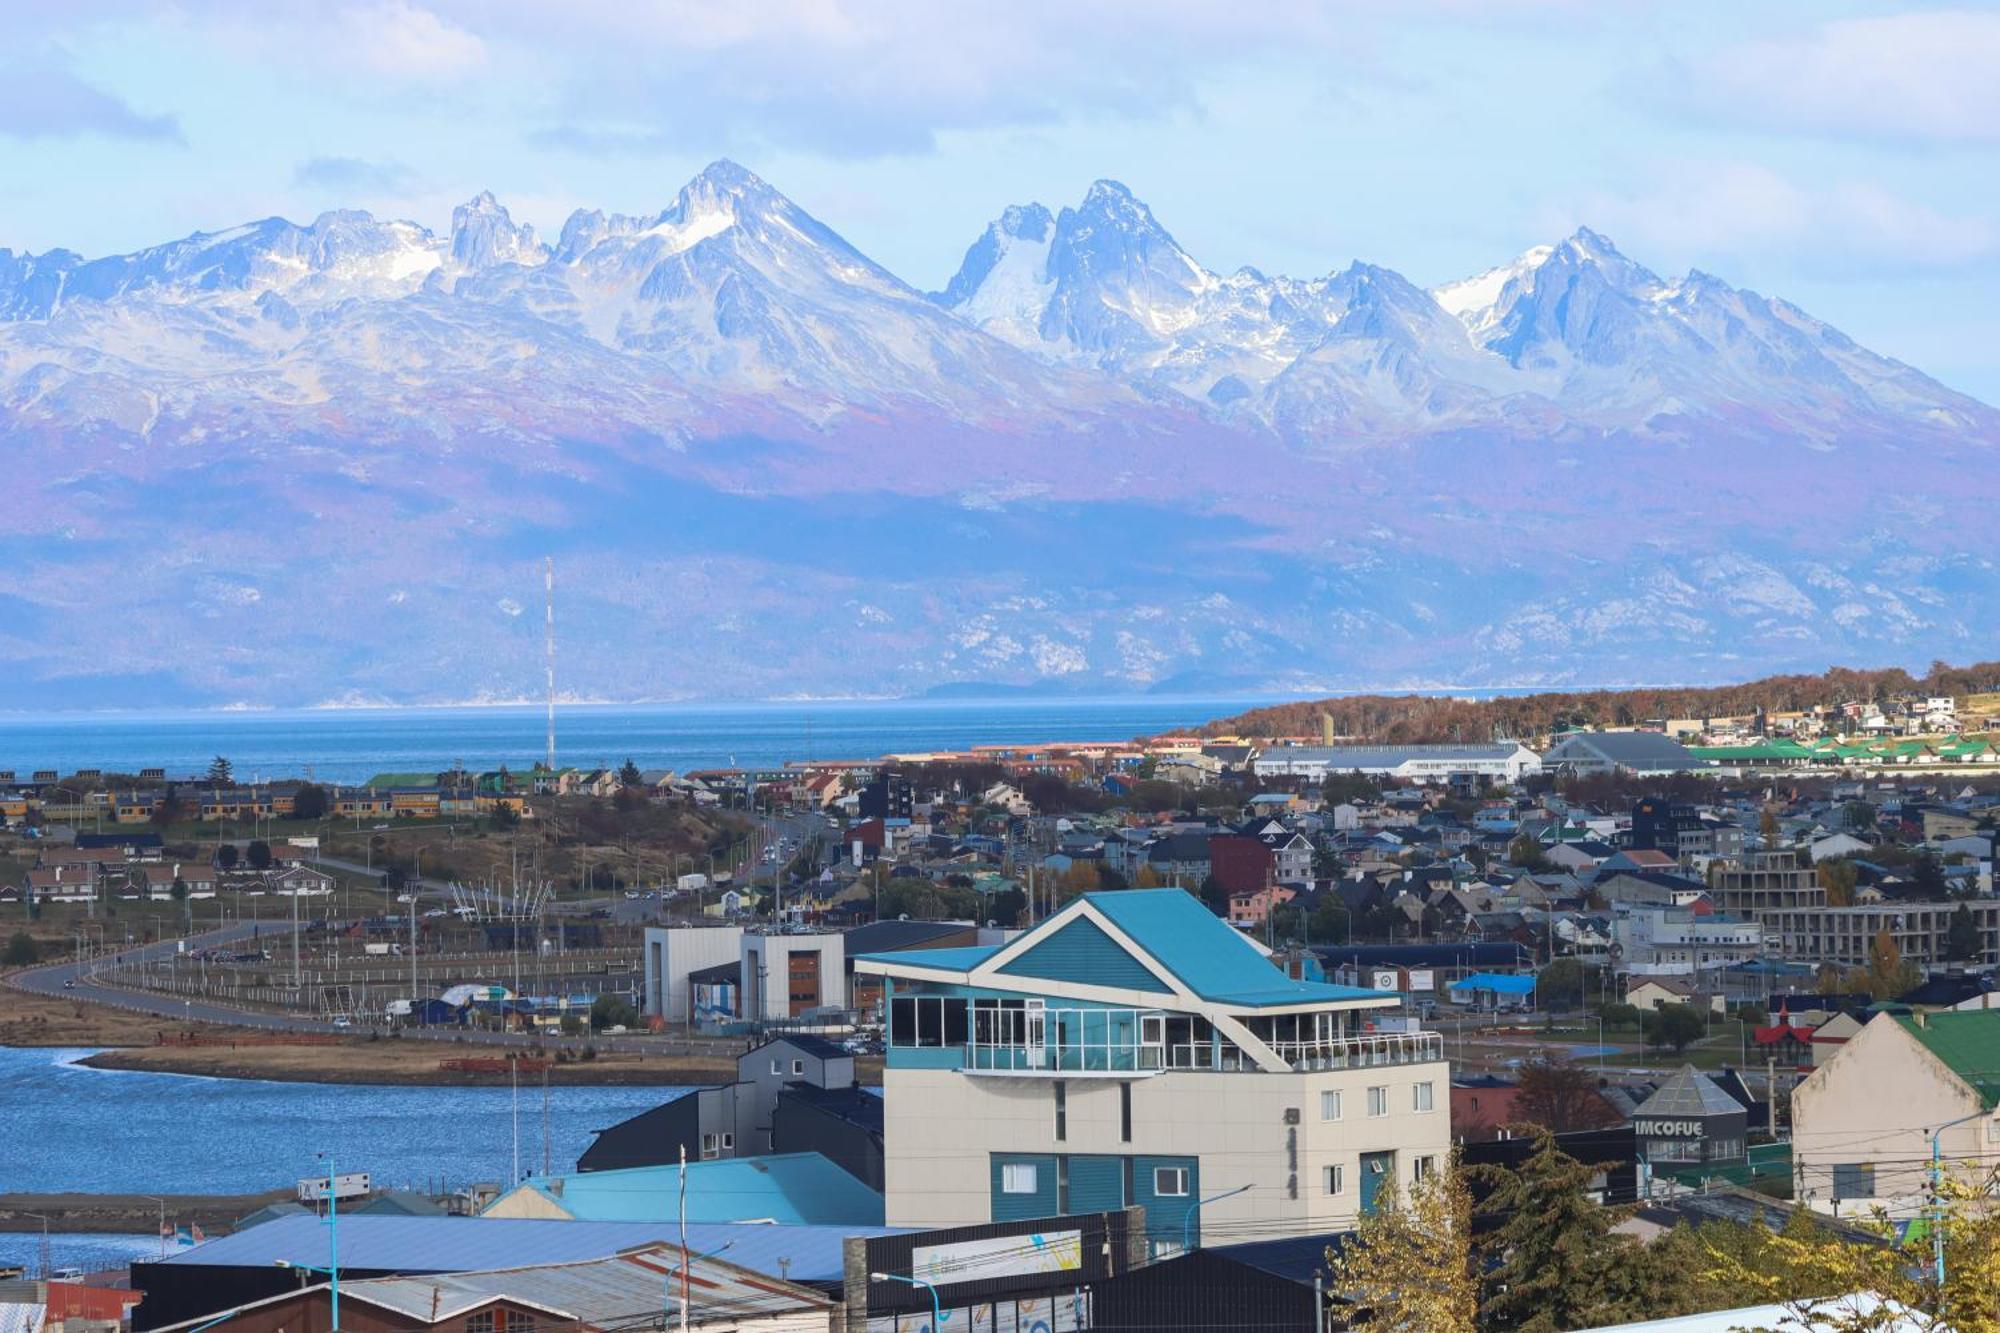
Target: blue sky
(1846,157)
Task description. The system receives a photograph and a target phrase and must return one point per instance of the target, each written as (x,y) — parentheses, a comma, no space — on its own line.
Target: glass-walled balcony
(1031,1037)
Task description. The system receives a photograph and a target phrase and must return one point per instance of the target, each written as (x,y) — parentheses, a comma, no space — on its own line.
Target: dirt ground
(46,1020)
(71,1212)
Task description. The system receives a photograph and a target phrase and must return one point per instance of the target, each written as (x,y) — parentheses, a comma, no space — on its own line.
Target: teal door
(1378,1171)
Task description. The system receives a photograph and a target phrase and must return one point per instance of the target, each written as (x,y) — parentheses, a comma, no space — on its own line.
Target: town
(1157,1034)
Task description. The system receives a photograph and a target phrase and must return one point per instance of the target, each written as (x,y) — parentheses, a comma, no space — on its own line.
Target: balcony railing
(1361,1052)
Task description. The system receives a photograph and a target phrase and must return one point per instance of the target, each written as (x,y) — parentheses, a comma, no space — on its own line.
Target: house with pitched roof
(1134,1050)
(1863,1123)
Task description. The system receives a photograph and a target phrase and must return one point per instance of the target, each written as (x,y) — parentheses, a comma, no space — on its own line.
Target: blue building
(1134,1049)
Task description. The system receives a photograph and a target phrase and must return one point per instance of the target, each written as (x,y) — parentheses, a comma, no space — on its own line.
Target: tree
(1560,1095)
(219,773)
(628,775)
(169,809)
(1767,827)
(260,855)
(1815,1275)
(1147,878)
(226,856)
(1888,975)
(1215,895)
(1408,1265)
(1551,1260)
(611,1011)
(1838,878)
(1961,937)
(310,802)
(1080,878)
(1927,879)
(1524,851)
(21,950)
(1561,985)
(1675,1026)
(1618,1014)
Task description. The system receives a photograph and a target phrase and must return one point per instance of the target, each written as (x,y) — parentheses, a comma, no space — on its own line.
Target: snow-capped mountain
(253,461)
(1572,335)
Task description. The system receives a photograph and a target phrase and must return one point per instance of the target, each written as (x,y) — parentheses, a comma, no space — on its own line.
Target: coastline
(365,1063)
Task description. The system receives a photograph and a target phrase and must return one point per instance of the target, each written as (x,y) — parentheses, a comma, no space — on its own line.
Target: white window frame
(1422,1168)
(1178,1174)
(1423,1096)
(1336,1179)
(1378,1101)
(708,1147)
(777,1067)
(728,1142)
(1329,1104)
(1019,1178)
(798,1066)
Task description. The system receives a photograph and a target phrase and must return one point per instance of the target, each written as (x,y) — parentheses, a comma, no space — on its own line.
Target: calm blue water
(91,1253)
(70,1127)
(350,745)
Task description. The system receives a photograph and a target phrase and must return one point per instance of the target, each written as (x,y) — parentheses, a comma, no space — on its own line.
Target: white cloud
(407,41)
(1927,75)
(1739,208)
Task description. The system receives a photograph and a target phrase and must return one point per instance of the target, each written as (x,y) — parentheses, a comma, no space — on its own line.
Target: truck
(383,950)
(344,1185)
(691,883)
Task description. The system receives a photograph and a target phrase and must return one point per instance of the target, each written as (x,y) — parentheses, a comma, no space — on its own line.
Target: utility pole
(549,643)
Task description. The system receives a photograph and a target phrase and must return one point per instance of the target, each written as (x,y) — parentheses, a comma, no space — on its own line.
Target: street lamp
(1187,1222)
(154,1198)
(1937,1193)
(938,1315)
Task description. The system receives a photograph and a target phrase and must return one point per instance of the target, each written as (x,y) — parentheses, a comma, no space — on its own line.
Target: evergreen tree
(1961,937)
(310,802)
(21,950)
(628,776)
(1551,1259)
(219,773)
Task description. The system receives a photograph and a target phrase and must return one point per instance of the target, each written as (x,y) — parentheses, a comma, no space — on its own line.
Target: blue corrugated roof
(802,1188)
(1178,931)
(1211,957)
(1496,982)
(467,1244)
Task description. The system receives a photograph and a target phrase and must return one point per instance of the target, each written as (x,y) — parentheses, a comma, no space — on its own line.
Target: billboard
(998,1257)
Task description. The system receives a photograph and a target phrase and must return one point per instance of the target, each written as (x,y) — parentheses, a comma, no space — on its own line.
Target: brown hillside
(1415,719)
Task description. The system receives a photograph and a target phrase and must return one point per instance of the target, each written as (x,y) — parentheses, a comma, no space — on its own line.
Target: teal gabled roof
(1172,927)
(1081,952)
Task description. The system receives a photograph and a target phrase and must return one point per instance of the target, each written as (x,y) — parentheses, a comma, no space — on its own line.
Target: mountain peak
(723,176)
(484,233)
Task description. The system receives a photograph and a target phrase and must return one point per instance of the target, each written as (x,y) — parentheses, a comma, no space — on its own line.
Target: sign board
(1384,979)
(998,1257)
(1667,1129)
(1423,979)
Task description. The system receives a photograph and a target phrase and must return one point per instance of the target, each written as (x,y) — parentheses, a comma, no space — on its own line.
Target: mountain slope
(292,462)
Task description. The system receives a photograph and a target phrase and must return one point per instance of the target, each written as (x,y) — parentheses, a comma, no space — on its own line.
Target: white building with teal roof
(1133,1049)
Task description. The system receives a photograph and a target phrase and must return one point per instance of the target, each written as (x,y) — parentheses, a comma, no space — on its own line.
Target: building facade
(1506,762)
(1133,1050)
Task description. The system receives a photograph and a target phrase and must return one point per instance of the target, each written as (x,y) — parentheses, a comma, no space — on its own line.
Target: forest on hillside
(1417,719)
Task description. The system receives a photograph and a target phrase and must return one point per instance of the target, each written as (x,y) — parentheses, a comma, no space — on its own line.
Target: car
(69,983)
(437,911)
(343,1022)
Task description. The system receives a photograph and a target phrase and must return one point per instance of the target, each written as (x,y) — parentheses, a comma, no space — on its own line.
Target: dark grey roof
(817,1047)
(857,1106)
(1633,749)
(1686,1094)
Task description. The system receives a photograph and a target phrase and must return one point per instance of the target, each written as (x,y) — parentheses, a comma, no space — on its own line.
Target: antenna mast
(549,606)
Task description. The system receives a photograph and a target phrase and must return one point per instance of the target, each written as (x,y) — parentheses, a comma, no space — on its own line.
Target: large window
(1329,1106)
(1378,1101)
(1336,1179)
(1422,1096)
(1421,1169)
(1062,1109)
(927,1020)
(1170,1182)
(1017,1178)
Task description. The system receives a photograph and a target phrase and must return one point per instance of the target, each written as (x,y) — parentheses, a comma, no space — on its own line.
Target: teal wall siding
(1096,1184)
(1019,1207)
(1081,952)
(1165,1217)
